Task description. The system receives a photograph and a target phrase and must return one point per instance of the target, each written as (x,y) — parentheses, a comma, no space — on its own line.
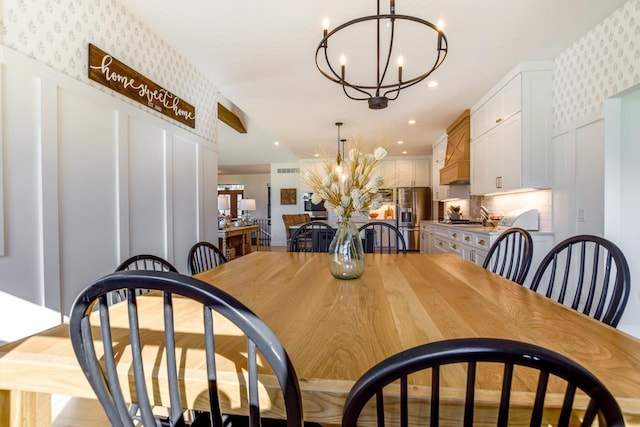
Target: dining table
(335,330)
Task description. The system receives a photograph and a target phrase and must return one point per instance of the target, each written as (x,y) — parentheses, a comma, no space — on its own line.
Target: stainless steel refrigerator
(414,205)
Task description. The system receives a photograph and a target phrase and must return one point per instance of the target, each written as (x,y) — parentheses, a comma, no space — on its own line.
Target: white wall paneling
(20,268)
(1,176)
(209,207)
(88,189)
(590,179)
(147,189)
(90,180)
(185,200)
(622,175)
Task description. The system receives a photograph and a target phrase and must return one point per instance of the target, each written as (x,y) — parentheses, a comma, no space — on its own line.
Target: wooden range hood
(456,169)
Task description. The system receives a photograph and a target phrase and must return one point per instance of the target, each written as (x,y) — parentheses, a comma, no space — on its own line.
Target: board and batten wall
(91,177)
(589,193)
(90,180)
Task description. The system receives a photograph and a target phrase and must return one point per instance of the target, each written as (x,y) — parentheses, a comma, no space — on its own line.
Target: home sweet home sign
(108,71)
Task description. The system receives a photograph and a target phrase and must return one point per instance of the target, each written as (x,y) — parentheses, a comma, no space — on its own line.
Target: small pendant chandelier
(339,157)
(379,94)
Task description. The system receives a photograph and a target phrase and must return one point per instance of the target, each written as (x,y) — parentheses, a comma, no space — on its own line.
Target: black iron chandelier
(378,94)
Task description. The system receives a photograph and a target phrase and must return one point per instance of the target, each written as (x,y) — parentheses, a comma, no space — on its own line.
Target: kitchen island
(473,241)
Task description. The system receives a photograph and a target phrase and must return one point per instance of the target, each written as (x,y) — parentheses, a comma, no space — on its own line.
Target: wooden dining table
(335,330)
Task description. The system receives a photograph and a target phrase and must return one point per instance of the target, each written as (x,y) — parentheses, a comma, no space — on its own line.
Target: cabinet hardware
(454,246)
(440,244)
(467,238)
(454,235)
(481,242)
(498,120)
(473,256)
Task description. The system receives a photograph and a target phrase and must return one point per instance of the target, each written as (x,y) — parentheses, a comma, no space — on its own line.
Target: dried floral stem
(353,190)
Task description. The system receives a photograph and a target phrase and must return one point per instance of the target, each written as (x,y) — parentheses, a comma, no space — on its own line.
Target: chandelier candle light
(346,190)
(379,92)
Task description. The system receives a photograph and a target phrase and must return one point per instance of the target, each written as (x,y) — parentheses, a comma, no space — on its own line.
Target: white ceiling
(261,56)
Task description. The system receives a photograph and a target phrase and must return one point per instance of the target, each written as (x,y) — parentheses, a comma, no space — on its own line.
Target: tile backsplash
(504,203)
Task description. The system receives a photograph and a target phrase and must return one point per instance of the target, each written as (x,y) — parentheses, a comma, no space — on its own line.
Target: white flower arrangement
(348,188)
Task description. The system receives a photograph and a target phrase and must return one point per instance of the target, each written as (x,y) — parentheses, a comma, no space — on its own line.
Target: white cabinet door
(511,151)
(405,172)
(422,173)
(513,125)
(439,153)
(479,121)
(435,183)
(387,170)
(493,160)
(440,150)
(512,97)
(413,173)
(478,149)
(424,242)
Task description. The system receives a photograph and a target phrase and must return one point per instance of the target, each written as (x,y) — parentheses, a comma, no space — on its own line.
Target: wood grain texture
(227,116)
(335,330)
(117,76)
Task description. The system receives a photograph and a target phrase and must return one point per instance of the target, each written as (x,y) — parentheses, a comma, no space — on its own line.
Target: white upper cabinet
(413,173)
(438,191)
(387,170)
(511,132)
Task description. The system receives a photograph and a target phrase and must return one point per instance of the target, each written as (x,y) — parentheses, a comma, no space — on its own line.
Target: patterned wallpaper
(602,63)
(57,33)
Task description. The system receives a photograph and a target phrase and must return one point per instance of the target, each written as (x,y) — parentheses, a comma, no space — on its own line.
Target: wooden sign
(108,71)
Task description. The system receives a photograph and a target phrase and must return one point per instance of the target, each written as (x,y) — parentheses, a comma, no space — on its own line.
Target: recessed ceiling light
(432,84)
(400,142)
(276,143)
(404,152)
(412,122)
(316,155)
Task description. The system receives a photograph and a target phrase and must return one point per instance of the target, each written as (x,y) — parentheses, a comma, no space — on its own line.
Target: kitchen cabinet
(511,132)
(504,104)
(496,150)
(473,242)
(387,170)
(439,192)
(413,173)
(425,237)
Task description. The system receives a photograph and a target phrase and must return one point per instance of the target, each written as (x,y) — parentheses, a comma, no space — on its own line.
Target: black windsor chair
(204,256)
(588,273)
(431,361)
(382,237)
(102,371)
(146,262)
(314,236)
(510,255)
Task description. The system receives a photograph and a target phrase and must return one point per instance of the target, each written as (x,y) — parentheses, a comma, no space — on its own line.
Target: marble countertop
(478,228)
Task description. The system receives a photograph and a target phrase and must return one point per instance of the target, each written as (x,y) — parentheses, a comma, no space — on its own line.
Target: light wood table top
(335,330)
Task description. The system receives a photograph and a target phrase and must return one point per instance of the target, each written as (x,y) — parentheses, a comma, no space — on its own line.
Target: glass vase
(346,254)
